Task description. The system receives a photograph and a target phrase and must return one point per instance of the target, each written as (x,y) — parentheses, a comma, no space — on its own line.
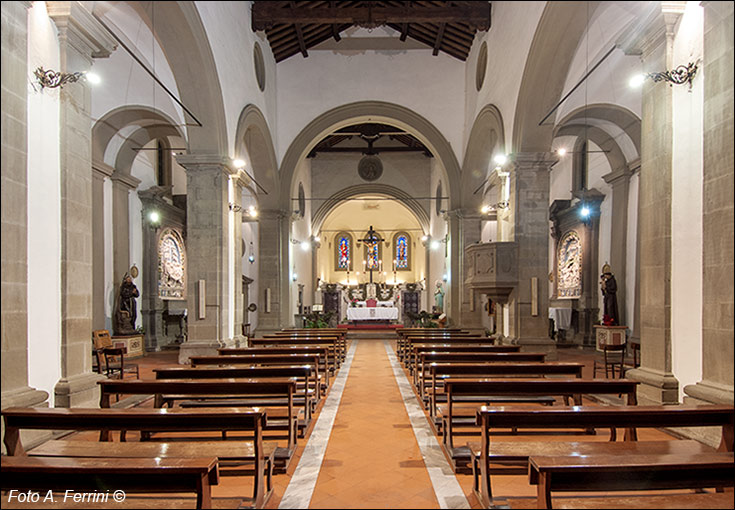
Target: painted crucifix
(372,262)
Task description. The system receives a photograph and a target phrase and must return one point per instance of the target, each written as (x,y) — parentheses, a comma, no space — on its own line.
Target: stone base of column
(78,391)
(545,345)
(238,341)
(26,397)
(656,388)
(703,393)
(201,348)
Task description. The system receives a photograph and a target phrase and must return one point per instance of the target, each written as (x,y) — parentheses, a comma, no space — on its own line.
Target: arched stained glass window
(343,246)
(402,251)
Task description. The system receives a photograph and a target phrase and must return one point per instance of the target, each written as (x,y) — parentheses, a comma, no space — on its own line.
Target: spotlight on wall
(305,245)
(435,245)
(52,79)
(561,151)
(251,256)
(238,163)
(445,277)
(294,277)
(154,217)
(585,212)
(252,211)
(500,159)
(424,238)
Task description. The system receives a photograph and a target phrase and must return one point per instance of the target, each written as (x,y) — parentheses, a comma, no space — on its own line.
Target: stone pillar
(652,39)
(122,185)
(15,389)
(529,206)
(716,385)
(469,228)
(240,251)
(100,172)
(81,37)
(273,272)
(619,180)
(207,229)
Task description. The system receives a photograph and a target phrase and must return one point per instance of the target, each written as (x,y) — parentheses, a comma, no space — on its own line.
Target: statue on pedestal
(439,297)
(609,288)
(127,313)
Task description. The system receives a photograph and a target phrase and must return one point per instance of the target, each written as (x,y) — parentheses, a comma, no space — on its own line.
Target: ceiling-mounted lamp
(52,79)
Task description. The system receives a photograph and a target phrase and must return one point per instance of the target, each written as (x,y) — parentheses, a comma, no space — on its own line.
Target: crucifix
(371,241)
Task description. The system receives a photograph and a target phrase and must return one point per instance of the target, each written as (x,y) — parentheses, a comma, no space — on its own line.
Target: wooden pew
(633,472)
(314,359)
(513,456)
(425,358)
(440,371)
(458,347)
(103,457)
(274,394)
(325,352)
(333,343)
(402,342)
(315,334)
(407,349)
(465,395)
(305,375)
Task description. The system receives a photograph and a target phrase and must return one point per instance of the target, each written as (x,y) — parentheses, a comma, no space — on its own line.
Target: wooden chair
(613,355)
(114,357)
(635,362)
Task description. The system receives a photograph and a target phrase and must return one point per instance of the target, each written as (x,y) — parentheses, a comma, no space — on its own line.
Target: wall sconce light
(678,76)
(251,211)
(487,209)
(251,256)
(235,207)
(294,277)
(154,217)
(52,79)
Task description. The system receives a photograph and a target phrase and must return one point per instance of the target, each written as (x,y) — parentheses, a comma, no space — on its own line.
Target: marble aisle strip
(301,487)
(446,487)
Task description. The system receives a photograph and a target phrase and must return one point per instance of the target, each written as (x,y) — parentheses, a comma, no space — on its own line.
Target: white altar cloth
(374,313)
(562,317)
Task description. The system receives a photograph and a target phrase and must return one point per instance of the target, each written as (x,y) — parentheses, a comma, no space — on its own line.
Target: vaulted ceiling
(295,27)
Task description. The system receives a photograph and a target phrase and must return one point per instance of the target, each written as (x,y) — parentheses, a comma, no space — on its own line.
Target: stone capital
(651,29)
(101,169)
(532,160)
(618,177)
(125,180)
(82,30)
(465,214)
(274,214)
(207,162)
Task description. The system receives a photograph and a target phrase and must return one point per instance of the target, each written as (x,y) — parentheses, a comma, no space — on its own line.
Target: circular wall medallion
(370,168)
(481,66)
(259,65)
(439,199)
(252,307)
(302,200)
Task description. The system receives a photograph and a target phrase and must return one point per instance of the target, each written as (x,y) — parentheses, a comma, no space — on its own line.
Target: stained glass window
(343,252)
(402,243)
(373,256)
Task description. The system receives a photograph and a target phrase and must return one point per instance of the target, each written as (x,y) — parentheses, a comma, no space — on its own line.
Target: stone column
(468,223)
(238,339)
(100,172)
(273,267)
(716,385)
(122,185)
(619,179)
(15,389)
(207,229)
(529,206)
(652,39)
(81,37)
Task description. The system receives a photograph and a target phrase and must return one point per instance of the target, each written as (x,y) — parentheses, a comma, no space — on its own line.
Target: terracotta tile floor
(372,458)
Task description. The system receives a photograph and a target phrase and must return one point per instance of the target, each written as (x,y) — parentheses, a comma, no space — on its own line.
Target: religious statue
(439,296)
(609,288)
(127,313)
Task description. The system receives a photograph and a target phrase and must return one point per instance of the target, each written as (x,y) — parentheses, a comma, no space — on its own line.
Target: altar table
(383,313)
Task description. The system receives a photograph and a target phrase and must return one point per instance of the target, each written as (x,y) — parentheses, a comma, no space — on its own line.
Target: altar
(379,313)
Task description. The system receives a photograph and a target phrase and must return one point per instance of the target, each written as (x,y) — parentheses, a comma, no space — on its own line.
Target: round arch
(486,138)
(370,189)
(147,118)
(544,75)
(254,144)
(371,111)
(184,41)
(140,137)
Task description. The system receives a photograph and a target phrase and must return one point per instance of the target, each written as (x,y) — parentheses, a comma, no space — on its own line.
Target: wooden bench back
(257,359)
(479,357)
(243,372)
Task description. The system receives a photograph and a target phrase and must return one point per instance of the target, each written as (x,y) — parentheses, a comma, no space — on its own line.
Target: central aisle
(372,458)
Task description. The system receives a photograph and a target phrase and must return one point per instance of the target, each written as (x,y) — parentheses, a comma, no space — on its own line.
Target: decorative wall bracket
(680,75)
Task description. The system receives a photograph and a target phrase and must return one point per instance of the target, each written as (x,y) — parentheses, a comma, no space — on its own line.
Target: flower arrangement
(607,320)
(353,303)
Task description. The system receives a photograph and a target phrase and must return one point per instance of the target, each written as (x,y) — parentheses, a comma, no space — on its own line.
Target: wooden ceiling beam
(438,41)
(267,14)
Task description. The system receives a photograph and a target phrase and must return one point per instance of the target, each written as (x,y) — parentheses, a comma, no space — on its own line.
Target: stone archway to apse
(393,115)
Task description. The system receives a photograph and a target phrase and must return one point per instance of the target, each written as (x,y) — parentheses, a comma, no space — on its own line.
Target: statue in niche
(609,288)
(439,297)
(127,312)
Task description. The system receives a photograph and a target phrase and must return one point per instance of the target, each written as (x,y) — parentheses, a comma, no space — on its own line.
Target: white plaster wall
(143,169)
(560,177)
(439,265)
(110,285)
(609,82)
(301,260)
(597,167)
(44,214)
(231,39)
(124,82)
(511,21)
(250,234)
(430,86)
(686,205)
